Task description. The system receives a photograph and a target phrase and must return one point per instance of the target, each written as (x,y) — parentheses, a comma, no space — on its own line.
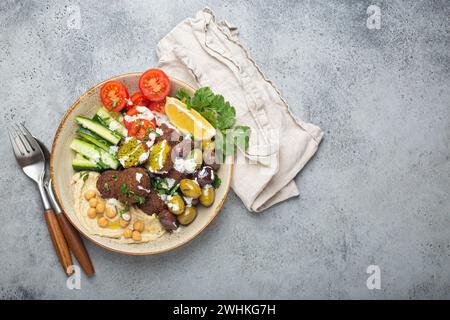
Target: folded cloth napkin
(203,52)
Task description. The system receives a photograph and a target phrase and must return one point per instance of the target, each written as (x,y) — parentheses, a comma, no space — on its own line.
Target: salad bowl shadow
(61,172)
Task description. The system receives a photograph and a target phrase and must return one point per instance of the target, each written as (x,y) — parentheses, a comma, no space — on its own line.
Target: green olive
(207,196)
(190,188)
(175,204)
(208,145)
(197,155)
(188,216)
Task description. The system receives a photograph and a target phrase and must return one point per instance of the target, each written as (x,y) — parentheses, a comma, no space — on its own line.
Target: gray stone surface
(377,191)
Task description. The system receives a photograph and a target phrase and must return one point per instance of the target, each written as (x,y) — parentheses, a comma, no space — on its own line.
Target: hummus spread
(152,230)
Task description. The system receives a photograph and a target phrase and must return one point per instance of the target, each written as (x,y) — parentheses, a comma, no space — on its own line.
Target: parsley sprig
(162,187)
(222,116)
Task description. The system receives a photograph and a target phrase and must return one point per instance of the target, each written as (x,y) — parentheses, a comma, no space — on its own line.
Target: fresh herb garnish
(124,210)
(114,103)
(106,186)
(162,187)
(150,130)
(124,189)
(114,177)
(184,97)
(84,175)
(173,189)
(216,182)
(222,116)
(139,199)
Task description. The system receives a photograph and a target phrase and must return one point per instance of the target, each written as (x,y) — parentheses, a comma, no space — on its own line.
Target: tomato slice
(154,84)
(114,96)
(139,128)
(138,99)
(157,106)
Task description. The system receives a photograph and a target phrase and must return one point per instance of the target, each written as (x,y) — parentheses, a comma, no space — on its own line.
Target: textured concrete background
(377,191)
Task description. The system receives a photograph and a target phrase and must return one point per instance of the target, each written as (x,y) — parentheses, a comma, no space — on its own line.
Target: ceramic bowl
(62,172)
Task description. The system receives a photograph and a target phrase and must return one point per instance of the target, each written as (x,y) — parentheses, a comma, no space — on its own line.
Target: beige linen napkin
(203,52)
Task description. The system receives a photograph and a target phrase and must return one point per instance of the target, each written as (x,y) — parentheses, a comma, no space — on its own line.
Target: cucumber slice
(96,118)
(90,136)
(102,158)
(81,163)
(98,129)
(114,125)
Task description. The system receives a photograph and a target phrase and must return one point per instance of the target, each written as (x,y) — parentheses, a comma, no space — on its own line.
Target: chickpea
(123,223)
(100,208)
(102,222)
(90,194)
(92,213)
(139,225)
(127,233)
(110,212)
(136,235)
(93,202)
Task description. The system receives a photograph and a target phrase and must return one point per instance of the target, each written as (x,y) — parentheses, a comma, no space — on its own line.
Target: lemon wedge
(188,120)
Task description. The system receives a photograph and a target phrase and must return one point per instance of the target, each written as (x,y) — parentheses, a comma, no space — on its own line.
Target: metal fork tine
(16,149)
(22,137)
(18,141)
(34,144)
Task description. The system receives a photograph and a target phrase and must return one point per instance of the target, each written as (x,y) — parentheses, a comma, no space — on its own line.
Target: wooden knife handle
(59,241)
(76,245)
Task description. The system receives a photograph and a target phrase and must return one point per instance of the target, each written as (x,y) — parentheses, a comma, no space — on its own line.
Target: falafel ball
(134,185)
(108,184)
(153,204)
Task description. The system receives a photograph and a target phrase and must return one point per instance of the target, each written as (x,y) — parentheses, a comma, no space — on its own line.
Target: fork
(30,157)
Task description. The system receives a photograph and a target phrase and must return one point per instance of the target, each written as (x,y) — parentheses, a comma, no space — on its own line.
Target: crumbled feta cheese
(113,203)
(143,157)
(190,165)
(160,119)
(150,143)
(159,131)
(126,216)
(138,176)
(163,197)
(144,113)
(114,125)
(170,182)
(188,201)
(185,165)
(123,160)
(173,206)
(113,149)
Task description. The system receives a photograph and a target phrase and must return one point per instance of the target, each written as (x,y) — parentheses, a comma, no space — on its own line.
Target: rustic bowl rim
(87,235)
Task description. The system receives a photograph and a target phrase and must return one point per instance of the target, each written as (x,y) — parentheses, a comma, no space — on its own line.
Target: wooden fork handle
(76,245)
(59,241)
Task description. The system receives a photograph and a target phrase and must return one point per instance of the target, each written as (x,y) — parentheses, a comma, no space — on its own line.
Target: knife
(72,236)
